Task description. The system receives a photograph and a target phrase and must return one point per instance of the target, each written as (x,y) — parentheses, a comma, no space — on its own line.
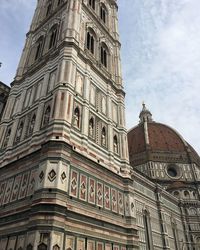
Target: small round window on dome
(172,172)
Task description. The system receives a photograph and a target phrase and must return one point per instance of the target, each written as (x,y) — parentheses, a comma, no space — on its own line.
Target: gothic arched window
(42,246)
(53,36)
(7,138)
(29,247)
(49,8)
(104,55)
(92,3)
(47,116)
(59,2)
(91,41)
(39,47)
(91,127)
(56,247)
(148,233)
(103,137)
(115,144)
(19,131)
(103,13)
(32,124)
(76,117)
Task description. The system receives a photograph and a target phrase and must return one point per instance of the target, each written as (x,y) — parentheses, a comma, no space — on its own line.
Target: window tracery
(103,13)
(90,43)
(39,47)
(104,55)
(92,4)
(53,36)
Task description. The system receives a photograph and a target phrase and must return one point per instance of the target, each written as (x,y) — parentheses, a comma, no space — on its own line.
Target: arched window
(42,246)
(49,8)
(103,13)
(39,47)
(148,233)
(103,137)
(32,124)
(92,3)
(29,247)
(47,116)
(19,131)
(104,55)
(77,117)
(7,138)
(91,41)
(115,144)
(53,36)
(91,127)
(59,2)
(56,247)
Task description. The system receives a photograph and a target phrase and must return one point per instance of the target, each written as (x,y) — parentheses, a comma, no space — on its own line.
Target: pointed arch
(56,247)
(49,8)
(19,131)
(148,231)
(103,13)
(104,54)
(42,246)
(32,124)
(91,40)
(91,127)
(92,4)
(103,137)
(76,121)
(39,47)
(53,36)
(115,144)
(29,247)
(7,137)
(47,116)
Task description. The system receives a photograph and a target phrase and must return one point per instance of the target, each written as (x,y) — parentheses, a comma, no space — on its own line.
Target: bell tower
(64,151)
(68,84)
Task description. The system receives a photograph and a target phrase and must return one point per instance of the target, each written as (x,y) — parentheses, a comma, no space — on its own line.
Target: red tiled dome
(164,143)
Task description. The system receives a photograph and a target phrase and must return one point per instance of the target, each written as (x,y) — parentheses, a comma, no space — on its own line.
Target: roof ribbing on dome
(163,144)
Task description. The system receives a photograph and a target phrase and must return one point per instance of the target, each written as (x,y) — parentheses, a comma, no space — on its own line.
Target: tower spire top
(145,114)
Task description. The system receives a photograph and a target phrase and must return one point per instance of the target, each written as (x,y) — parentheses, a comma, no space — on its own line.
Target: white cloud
(162,63)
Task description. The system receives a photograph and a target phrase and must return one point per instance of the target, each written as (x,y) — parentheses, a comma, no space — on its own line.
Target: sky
(160,57)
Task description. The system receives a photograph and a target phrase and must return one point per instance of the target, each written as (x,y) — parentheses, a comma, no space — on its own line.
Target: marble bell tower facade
(65,177)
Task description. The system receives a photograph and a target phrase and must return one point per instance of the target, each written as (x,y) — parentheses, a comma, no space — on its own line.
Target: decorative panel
(74,183)
(107,197)
(92,191)
(16,188)
(99,194)
(120,203)
(8,191)
(2,191)
(32,181)
(114,200)
(24,184)
(83,187)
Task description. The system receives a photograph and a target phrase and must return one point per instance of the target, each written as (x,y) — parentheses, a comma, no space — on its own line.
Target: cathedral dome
(152,141)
